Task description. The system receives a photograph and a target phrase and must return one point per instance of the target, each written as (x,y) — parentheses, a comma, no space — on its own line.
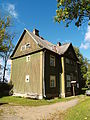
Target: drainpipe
(44,95)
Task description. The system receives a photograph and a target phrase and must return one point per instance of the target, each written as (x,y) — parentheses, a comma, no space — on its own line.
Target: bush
(5,89)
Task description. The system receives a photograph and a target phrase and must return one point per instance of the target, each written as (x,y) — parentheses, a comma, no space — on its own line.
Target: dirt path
(34,113)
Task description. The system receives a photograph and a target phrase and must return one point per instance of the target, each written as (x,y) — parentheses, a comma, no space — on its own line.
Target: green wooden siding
(21,68)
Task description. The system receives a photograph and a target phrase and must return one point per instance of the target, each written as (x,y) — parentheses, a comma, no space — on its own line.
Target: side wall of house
(52,71)
(71,69)
(33,68)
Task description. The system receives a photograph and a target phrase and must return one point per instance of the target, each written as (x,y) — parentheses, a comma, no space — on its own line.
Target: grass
(81,111)
(29,102)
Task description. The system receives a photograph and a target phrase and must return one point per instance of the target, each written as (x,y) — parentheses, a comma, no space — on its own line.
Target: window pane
(28,45)
(52,81)
(27,78)
(52,60)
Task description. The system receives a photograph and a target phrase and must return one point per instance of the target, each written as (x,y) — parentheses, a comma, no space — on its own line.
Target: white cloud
(10,8)
(86,44)
(87,35)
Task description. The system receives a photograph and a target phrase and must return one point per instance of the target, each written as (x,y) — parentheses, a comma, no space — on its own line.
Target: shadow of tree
(3,103)
(5,89)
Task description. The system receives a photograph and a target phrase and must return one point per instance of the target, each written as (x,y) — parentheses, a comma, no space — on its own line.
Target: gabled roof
(44,44)
(48,45)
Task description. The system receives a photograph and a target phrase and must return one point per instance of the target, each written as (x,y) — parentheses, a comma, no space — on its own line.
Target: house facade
(41,69)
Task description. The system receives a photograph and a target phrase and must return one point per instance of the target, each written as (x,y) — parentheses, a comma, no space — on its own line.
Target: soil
(10,112)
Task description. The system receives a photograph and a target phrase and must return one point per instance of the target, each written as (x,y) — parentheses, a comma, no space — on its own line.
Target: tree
(87,77)
(73,10)
(5,55)
(83,66)
(4,34)
(6,45)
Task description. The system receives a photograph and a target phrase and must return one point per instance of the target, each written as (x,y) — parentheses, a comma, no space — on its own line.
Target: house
(42,69)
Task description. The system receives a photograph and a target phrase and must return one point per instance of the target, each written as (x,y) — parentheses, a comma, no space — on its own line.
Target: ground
(10,112)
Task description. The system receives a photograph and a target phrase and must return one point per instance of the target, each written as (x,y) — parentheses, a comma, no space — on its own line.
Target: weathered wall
(21,68)
(51,70)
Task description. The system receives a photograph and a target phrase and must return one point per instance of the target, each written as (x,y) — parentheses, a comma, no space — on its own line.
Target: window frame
(52,81)
(68,81)
(67,60)
(22,47)
(54,61)
(27,60)
(27,77)
(27,46)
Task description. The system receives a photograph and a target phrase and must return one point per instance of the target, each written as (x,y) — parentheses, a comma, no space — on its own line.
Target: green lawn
(79,112)
(29,102)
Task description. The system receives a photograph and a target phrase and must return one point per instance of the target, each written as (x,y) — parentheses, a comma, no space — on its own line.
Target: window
(67,61)
(68,80)
(27,45)
(23,47)
(28,58)
(52,60)
(52,81)
(27,78)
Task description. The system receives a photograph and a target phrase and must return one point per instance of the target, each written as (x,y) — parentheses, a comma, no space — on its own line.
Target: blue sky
(40,14)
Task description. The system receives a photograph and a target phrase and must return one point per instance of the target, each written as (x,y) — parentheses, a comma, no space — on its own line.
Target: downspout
(44,95)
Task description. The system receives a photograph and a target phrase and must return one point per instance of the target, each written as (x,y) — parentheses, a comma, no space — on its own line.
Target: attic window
(27,45)
(23,47)
(27,78)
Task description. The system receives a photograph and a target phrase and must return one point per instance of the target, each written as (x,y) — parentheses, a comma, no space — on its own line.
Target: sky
(40,14)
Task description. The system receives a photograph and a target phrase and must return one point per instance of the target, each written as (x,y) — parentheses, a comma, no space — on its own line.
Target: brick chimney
(58,44)
(36,32)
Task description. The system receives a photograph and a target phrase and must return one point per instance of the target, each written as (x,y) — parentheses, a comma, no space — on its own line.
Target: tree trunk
(4,70)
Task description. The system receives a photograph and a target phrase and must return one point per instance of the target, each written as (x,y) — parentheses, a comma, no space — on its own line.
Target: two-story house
(41,69)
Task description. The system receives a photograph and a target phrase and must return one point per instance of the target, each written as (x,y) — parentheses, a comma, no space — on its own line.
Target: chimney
(54,48)
(36,32)
(58,44)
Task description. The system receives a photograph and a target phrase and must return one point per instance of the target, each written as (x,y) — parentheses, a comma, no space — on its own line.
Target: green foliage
(4,34)
(83,64)
(6,38)
(73,10)
(5,89)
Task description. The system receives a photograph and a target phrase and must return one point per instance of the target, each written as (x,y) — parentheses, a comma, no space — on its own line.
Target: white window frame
(28,45)
(52,81)
(28,58)
(23,46)
(52,59)
(27,78)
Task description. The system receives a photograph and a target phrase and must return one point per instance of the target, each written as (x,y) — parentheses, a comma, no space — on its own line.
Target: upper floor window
(67,61)
(52,81)
(52,60)
(28,58)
